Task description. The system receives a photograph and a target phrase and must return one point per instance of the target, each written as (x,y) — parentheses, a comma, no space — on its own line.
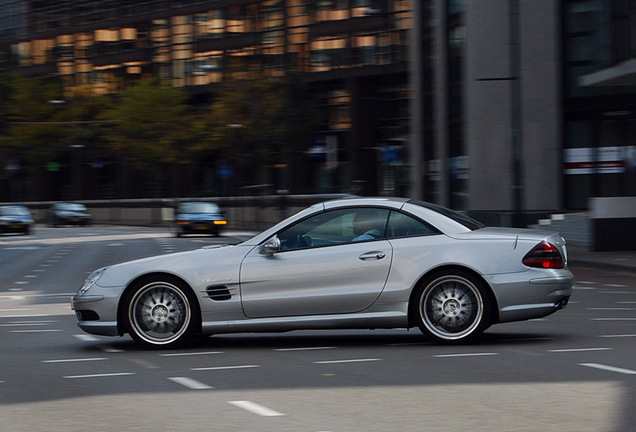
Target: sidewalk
(616,261)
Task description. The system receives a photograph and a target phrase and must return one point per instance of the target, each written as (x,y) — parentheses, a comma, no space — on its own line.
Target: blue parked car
(15,219)
(198,218)
(68,213)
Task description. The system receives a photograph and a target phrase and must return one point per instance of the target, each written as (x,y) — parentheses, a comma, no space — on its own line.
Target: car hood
(189,265)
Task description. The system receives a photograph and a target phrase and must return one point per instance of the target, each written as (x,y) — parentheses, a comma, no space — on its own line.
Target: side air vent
(218,292)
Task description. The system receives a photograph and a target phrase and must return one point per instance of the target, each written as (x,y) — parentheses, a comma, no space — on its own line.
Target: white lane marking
(16,310)
(568,350)
(347,361)
(466,355)
(618,336)
(34,331)
(75,360)
(213,368)
(26,248)
(304,349)
(33,322)
(190,354)
(190,383)
(106,375)
(23,325)
(609,368)
(255,408)
(616,309)
(86,338)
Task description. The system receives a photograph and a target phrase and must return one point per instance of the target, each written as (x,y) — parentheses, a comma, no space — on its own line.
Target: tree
(260,123)
(36,133)
(152,129)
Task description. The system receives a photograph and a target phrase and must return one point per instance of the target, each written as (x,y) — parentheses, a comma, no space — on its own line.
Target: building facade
(479,105)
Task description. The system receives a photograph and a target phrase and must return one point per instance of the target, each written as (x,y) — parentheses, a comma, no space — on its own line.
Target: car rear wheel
(159,313)
(452,307)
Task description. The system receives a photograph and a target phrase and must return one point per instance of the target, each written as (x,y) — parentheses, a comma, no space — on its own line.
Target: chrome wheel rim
(159,313)
(451,307)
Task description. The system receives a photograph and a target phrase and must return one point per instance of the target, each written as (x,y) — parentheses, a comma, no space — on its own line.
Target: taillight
(544,255)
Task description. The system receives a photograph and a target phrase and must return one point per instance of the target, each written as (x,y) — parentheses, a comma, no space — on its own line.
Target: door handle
(369,256)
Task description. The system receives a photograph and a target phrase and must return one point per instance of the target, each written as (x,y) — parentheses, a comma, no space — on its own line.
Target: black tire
(161,312)
(452,307)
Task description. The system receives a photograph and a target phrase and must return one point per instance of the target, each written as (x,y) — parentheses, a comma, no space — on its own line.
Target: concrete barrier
(250,212)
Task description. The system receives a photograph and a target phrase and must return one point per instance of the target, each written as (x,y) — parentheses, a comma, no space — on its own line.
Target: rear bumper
(519,298)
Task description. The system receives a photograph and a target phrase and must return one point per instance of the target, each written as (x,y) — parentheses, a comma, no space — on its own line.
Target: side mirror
(271,246)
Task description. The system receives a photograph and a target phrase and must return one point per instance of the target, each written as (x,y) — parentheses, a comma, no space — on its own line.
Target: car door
(319,270)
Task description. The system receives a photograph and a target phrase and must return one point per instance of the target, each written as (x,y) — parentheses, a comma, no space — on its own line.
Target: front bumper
(97,314)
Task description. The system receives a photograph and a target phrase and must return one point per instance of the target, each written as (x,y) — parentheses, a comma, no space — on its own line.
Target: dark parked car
(198,218)
(67,213)
(15,219)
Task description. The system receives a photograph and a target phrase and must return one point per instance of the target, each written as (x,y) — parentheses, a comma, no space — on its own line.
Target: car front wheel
(452,307)
(159,313)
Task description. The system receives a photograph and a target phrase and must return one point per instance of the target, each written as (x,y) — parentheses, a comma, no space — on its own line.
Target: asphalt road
(572,371)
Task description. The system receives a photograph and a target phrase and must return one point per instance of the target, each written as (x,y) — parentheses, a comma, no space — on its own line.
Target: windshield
(71,207)
(458,217)
(198,207)
(15,211)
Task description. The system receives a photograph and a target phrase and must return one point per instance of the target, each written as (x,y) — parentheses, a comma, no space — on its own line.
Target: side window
(401,225)
(334,228)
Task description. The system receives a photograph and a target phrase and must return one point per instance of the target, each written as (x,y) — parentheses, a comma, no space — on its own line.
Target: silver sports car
(354,263)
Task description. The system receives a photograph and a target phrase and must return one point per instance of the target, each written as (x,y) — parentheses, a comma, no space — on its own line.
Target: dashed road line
(347,361)
(190,354)
(618,336)
(569,350)
(466,355)
(104,375)
(609,368)
(35,331)
(76,360)
(190,383)
(213,368)
(255,408)
(304,349)
(86,338)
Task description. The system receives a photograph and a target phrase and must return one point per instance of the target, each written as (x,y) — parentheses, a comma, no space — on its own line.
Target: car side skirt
(371,320)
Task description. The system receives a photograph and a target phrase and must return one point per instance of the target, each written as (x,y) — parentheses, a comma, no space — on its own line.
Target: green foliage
(261,122)
(251,124)
(35,132)
(149,126)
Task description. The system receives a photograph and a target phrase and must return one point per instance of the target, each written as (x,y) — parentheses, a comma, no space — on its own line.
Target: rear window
(14,211)
(458,217)
(198,207)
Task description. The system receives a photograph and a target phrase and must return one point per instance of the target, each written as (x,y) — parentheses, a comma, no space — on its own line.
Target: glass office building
(510,116)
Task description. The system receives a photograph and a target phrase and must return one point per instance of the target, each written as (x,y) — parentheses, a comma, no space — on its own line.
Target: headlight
(91,280)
